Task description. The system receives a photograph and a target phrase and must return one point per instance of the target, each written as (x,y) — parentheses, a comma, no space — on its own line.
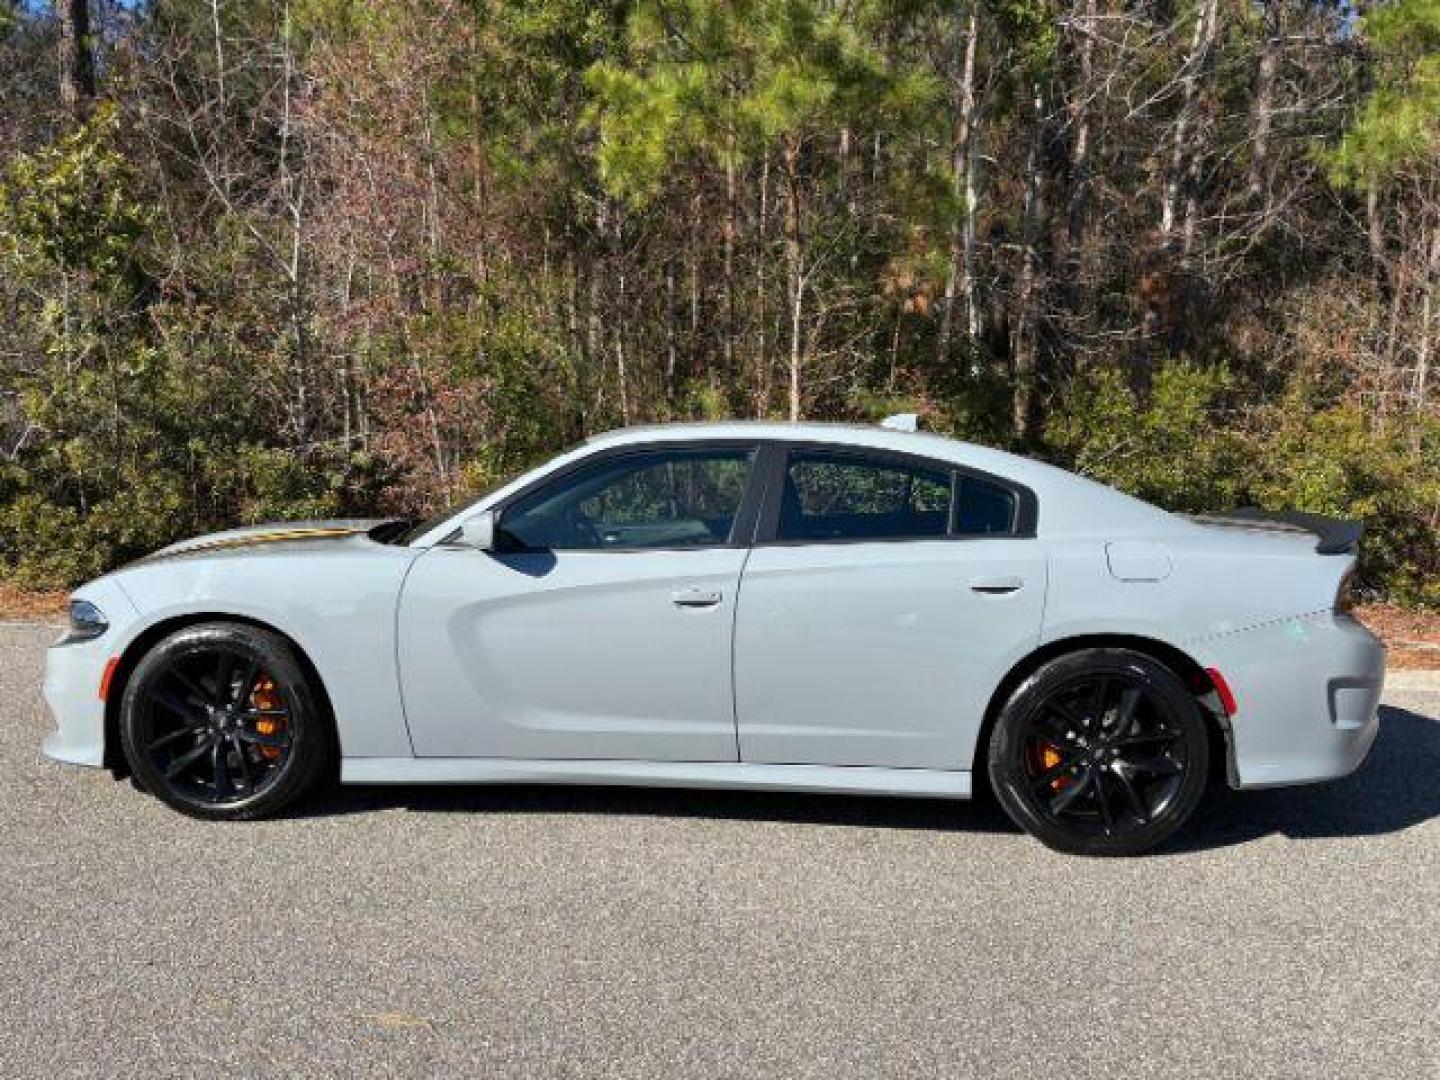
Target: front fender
(338,609)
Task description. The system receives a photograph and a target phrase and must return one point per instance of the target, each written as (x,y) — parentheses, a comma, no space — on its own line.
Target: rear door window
(837,496)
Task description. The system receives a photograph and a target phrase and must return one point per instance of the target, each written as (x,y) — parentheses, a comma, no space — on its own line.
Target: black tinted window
(983,508)
(662,499)
(842,497)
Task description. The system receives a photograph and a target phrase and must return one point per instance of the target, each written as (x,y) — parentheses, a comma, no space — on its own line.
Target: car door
(885,598)
(602,625)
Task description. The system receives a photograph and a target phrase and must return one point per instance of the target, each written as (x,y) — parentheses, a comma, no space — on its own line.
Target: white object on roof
(905,421)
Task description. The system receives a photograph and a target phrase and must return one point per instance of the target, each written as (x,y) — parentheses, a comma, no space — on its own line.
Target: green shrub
(1170,446)
(1186,445)
(47,544)
(1339,461)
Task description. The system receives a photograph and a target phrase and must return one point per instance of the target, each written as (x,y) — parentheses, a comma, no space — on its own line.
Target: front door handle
(996,586)
(695,597)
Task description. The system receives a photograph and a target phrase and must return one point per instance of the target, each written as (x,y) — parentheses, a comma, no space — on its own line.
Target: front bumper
(72,681)
(1307,692)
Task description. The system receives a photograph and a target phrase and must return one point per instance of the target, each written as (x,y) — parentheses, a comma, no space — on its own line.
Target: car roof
(772,429)
(1012,466)
(844,434)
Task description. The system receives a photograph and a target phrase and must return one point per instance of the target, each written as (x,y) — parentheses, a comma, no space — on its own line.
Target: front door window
(660,499)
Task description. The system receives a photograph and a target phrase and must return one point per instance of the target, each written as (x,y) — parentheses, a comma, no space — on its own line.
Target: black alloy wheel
(1100,752)
(219,721)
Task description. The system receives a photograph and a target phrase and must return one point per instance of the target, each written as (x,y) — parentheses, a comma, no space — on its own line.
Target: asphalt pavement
(602,932)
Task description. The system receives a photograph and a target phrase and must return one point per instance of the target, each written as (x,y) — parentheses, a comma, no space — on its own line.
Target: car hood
(287,534)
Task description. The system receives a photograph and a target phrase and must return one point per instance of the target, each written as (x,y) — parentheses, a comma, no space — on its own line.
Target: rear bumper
(1308,692)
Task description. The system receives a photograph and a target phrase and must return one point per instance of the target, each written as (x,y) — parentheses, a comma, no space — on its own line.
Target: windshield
(415,529)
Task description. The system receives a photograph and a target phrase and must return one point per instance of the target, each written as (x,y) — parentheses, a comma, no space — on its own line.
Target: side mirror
(479,531)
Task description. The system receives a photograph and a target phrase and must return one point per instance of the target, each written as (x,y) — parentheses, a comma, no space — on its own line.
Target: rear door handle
(996,586)
(695,597)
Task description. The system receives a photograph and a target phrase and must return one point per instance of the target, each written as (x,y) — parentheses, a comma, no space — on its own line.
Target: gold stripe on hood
(255,540)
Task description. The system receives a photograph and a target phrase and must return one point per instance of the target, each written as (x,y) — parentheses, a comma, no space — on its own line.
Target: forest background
(267,259)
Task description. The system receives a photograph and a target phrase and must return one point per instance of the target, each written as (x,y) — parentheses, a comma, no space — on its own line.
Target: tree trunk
(695,268)
(572,307)
(1262,115)
(221,106)
(960,280)
(1078,115)
(732,213)
(895,347)
(1183,151)
(293,194)
(1080,146)
(622,378)
(795,266)
(1024,346)
(762,356)
(1375,228)
(1430,282)
(1399,278)
(670,350)
(594,344)
(1193,182)
(479,162)
(77,58)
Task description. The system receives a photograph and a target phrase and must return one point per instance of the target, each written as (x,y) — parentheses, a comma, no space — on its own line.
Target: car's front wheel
(1100,752)
(219,721)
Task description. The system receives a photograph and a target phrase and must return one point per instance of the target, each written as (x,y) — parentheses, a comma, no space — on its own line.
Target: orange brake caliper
(266,696)
(1047,757)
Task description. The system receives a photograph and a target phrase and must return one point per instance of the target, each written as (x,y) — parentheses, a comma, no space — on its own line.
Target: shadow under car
(1395,789)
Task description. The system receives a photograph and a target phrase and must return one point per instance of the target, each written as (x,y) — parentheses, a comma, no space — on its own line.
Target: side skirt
(837,779)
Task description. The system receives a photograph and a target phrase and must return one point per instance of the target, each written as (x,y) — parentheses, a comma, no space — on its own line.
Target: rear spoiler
(1333,536)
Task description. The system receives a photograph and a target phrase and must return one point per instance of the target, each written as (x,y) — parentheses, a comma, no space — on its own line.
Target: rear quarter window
(983,508)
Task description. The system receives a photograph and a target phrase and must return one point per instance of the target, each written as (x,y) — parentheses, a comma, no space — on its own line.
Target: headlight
(86,622)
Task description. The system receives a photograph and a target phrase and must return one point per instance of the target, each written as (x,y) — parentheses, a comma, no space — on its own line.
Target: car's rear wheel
(219,721)
(1100,752)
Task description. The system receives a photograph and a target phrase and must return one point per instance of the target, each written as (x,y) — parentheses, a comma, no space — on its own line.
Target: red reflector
(110,666)
(1227,697)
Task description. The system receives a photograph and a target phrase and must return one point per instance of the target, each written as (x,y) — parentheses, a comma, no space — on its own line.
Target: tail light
(1223,691)
(1345,594)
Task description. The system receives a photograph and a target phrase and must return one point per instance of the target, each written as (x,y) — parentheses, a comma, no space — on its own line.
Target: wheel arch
(130,657)
(1190,671)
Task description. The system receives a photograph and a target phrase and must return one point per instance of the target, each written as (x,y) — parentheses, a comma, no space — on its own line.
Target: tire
(219,721)
(1100,752)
